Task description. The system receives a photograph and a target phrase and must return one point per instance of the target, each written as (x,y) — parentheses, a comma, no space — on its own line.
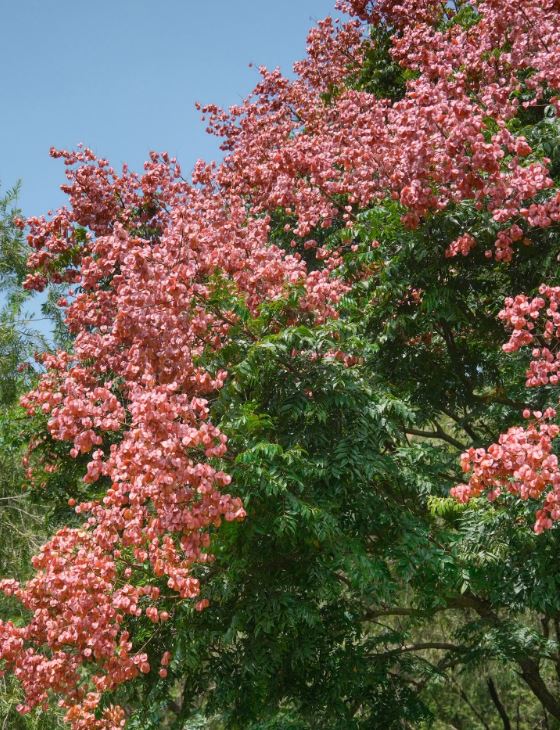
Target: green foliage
(357,594)
(379,73)
(352,551)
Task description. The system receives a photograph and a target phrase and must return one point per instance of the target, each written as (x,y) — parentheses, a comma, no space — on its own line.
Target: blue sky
(122,77)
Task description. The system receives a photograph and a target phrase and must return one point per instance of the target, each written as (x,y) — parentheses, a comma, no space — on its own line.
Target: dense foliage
(22,524)
(252,439)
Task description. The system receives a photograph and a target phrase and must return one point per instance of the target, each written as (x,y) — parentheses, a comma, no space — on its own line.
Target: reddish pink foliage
(536,321)
(319,150)
(521,463)
(461,245)
(141,320)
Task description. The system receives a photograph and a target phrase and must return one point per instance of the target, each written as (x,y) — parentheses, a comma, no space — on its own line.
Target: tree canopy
(298,444)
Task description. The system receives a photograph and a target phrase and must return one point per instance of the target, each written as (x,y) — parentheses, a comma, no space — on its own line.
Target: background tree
(22,522)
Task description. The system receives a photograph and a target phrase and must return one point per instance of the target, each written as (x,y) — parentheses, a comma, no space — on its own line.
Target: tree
(22,523)
(313,326)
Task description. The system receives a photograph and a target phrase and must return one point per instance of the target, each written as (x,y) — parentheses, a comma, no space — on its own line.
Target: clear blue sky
(122,77)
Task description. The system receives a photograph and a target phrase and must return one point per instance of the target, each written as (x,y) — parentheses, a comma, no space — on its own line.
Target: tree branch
(497,702)
(397,611)
(440,645)
(529,667)
(437,434)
